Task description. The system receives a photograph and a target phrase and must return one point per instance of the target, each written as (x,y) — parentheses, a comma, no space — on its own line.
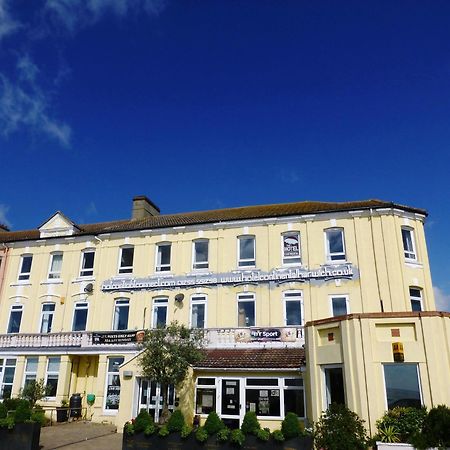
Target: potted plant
(62,412)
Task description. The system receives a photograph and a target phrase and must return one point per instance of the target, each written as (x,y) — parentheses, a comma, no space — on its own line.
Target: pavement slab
(80,436)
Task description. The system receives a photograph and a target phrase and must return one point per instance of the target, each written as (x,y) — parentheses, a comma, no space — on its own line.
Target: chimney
(143,207)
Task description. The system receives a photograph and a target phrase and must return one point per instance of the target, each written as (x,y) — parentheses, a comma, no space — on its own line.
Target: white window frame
(163,268)
(199,265)
(82,270)
(326,401)
(49,313)
(54,274)
(291,260)
(161,301)
(52,373)
(383,377)
(15,307)
(242,261)
(24,276)
(415,298)
(3,367)
(118,302)
(198,299)
(111,412)
(408,254)
(215,386)
(347,302)
(330,255)
(294,388)
(78,306)
(293,296)
(251,298)
(124,270)
(27,373)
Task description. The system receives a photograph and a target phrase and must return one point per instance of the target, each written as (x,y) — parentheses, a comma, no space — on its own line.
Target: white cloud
(3,219)
(74,14)
(442,299)
(24,104)
(7,24)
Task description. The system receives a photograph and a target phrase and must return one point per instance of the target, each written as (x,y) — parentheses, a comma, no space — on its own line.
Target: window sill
(21,283)
(413,263)
(83,279)
(337,263)
(58,281)
(110,412)
(164,274)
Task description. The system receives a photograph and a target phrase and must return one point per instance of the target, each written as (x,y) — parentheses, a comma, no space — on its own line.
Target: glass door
(231,405)
(151,398)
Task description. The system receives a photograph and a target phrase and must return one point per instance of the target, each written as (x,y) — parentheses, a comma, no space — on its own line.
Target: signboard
(397,350)
(291,245)
(117,337)
(265,334)
(278,276)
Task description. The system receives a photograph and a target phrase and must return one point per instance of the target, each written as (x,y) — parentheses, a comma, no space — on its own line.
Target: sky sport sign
(278,276)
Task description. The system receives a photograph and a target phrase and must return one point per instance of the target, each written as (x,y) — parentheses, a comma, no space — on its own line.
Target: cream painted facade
(58,286)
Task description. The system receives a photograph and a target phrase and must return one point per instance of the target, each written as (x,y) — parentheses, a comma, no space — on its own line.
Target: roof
(264,358)
(216,215)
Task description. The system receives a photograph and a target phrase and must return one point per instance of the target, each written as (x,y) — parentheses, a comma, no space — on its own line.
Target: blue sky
(210,104)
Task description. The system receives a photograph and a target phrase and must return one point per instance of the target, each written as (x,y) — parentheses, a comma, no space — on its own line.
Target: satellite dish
(89,288)
(179,297)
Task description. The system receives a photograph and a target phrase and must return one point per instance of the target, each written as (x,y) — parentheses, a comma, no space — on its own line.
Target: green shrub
(406,421)
(223,435)
(176,421)
(237,437)
(213,423)
(3,411)
(278,436)
(38,416)
(23,413)
(11,404)
(150,429)
(128,428)
(263,434)
(388,433)
(142,421)
(201,434)
(290,426)
(164,431)
(340,429)
(186,431)
(8,422)
(250,424)
(436,427)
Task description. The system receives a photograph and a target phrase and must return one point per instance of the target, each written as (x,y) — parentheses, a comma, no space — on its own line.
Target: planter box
(24,436)
(175,442)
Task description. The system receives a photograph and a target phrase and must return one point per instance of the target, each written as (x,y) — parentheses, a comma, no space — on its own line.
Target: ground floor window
(112,396)
(334,386)
(402,385)
(7,370)
(205,396)
(52,375)
(31,368)
(270,397)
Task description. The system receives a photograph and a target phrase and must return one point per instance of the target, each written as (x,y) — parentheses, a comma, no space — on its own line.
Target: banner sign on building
(117,337)
(278,276)
(291,247)
(265,334)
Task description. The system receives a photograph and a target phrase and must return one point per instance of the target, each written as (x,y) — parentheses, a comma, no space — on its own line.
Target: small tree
(167,355)
(34,391)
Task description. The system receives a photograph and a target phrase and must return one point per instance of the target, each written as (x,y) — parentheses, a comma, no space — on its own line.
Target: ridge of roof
(216,215)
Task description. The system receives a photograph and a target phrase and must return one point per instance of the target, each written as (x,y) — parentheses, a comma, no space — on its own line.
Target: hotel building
(303,304)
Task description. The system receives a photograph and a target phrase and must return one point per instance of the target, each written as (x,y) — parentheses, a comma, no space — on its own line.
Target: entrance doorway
(334,386)
(151,398)
(231,404)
